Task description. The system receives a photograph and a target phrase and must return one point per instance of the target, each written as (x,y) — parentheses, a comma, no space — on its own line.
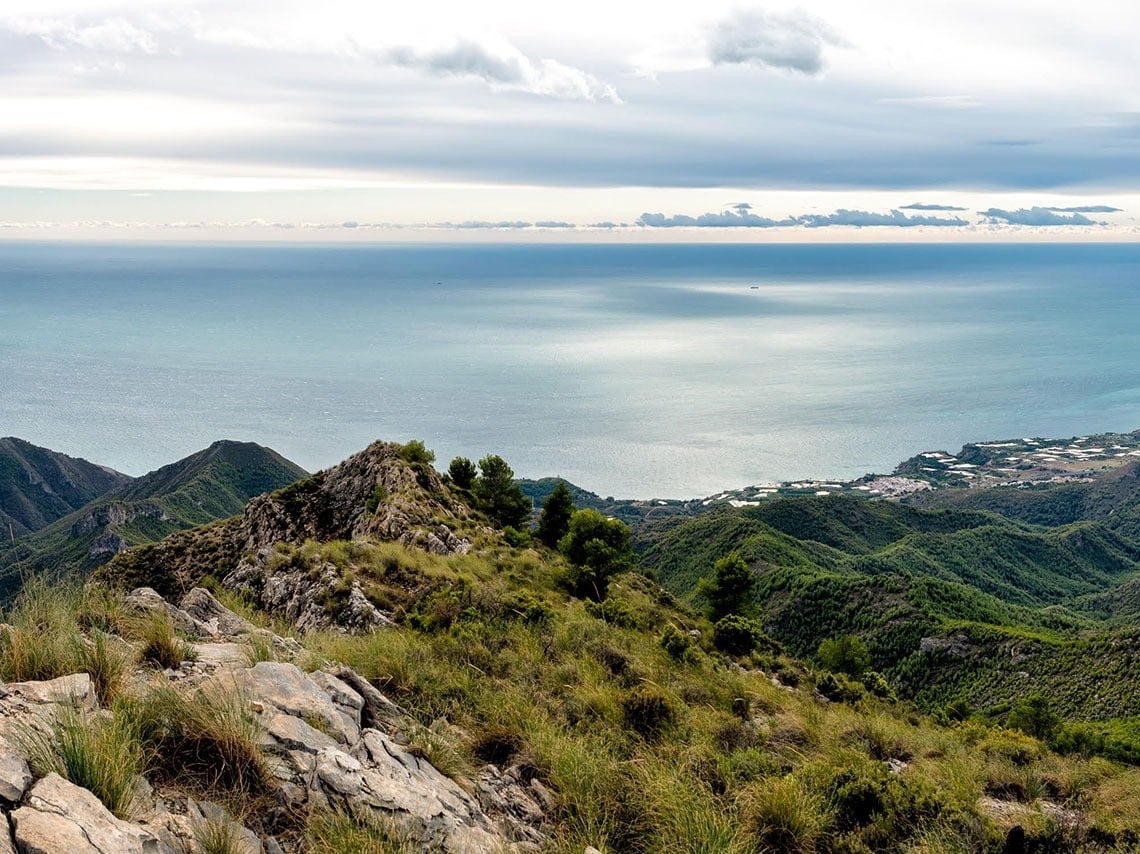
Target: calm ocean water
(669,371)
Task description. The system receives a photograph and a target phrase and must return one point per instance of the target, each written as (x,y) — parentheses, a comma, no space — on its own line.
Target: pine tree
(554,522)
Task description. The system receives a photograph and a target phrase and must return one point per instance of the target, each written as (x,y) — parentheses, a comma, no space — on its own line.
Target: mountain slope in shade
(39,486)
(211,484)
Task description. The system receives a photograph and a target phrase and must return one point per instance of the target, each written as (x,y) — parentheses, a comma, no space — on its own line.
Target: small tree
(554,523)
(416,453)
(1033,716)
(498,495)
(462,472)
(597,548)
(730,588)
(846,654)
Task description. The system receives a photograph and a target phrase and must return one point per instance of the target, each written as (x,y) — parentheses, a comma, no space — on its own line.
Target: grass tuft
(160,642)
(102,754)
(340,833)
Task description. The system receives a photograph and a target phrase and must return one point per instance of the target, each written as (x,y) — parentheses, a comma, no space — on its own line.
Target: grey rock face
(147,599)
(58,817)
(75,689)
(287,689)
(300,596)
(204,607)
(15,777)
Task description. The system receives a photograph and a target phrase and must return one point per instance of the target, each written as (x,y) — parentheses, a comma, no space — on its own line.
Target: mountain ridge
(39,485)
(203,487)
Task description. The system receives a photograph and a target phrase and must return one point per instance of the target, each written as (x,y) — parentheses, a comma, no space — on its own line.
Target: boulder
(284,687)
(58,816)
(15,776)
(201,605)
(75,690)
(147,599)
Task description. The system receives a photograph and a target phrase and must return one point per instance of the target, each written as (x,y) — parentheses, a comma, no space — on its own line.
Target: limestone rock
(15,777)
(147,599)
(58,816)
(286,688)
(202,606)
(75,689)
(301,596)
(378,712)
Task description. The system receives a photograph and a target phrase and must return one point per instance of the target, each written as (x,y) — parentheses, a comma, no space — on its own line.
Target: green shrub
(379,496)
(597,549)
(730,589)
(737,635)
(515,538)
(676,643)
(1033,716)
(877,684)
(846,654)
(416,453)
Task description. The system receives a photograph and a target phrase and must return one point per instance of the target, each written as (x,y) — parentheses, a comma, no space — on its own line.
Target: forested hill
(38,486)
(951,604)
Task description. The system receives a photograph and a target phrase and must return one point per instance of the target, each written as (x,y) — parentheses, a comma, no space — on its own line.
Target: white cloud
(110,35)
(793,41)
(503,67)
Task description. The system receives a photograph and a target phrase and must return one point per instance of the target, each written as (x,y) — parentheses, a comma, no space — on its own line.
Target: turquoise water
(668,371)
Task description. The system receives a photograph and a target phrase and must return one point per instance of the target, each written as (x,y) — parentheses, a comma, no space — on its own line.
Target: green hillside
(895,575)
(211,484)
(653,728)
(39,486)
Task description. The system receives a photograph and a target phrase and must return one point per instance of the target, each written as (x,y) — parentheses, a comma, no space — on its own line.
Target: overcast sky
(819,120)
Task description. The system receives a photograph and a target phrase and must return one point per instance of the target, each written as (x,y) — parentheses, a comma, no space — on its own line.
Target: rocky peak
(373,495)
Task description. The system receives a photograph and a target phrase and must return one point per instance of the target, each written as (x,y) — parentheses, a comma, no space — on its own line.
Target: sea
(643,371)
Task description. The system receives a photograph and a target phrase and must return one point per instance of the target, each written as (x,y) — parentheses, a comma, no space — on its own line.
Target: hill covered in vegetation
(38,486)
(423,669)
(212,484)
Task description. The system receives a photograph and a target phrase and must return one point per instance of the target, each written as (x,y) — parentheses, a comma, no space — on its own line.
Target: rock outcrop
(333,741)
(372,495)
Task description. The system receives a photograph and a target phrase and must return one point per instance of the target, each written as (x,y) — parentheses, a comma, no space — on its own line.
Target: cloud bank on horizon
(510,118)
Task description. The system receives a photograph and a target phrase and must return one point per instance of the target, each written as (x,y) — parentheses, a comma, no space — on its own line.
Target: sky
(822,120)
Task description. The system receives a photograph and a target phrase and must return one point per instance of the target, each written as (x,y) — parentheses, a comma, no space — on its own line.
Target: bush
(597,549)
(847,654)
(416,453)
(676,643)
(1033,716)
(379,496)
(737,635)
(515,538)
(730,589)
